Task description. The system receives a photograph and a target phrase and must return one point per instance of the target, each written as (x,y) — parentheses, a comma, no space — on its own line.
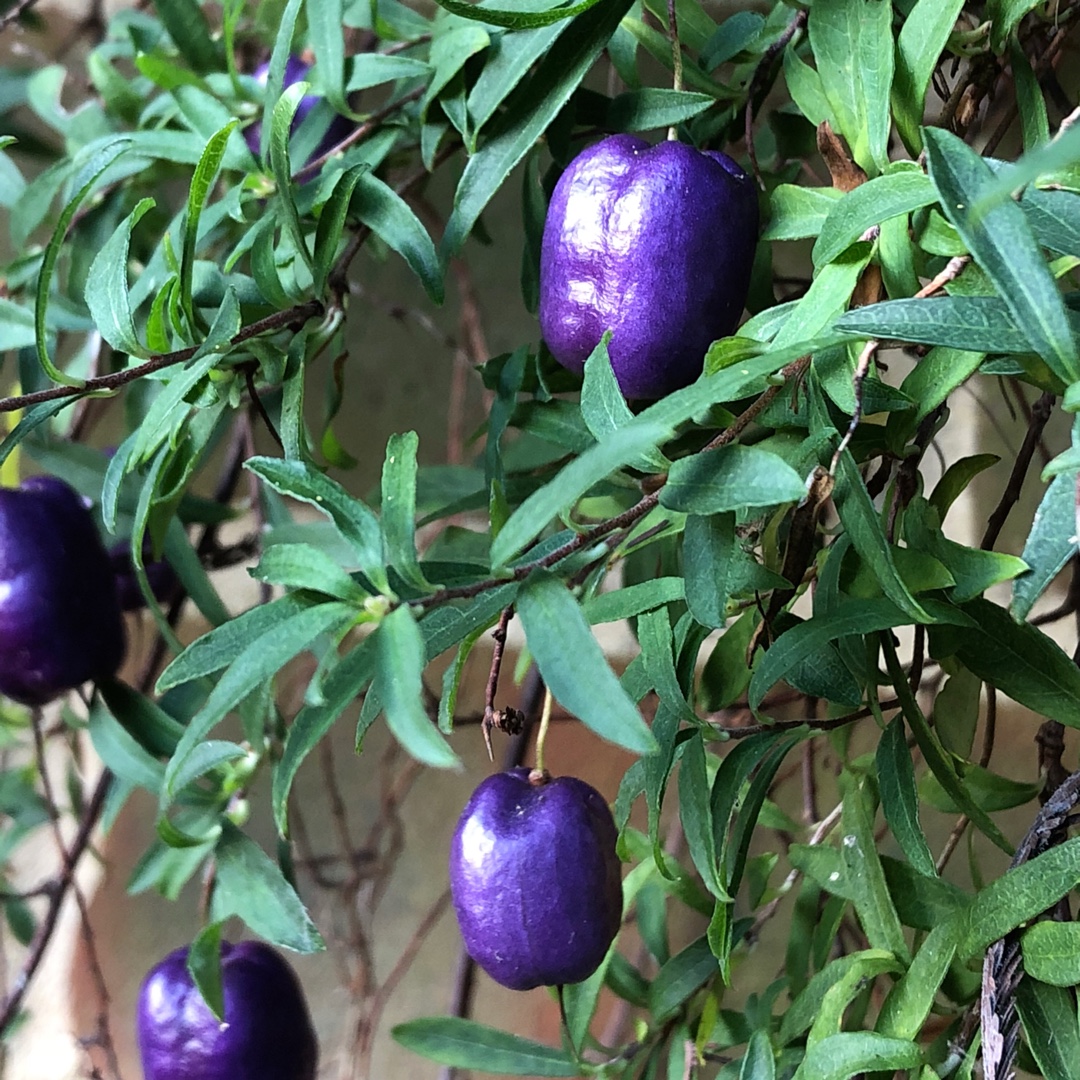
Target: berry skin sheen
(267,1033)
(60,622)
(654,243)
(535,879)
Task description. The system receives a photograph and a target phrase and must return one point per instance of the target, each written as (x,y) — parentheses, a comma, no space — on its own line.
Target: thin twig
(1040,416)
(761,74)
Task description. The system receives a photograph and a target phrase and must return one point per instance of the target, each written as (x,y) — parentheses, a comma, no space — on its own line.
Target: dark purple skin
(267,1034)
(159,573)
(296,71)
(654,243)
(535,879)
(60,622)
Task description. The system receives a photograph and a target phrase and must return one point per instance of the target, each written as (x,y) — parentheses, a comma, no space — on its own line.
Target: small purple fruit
(654,243)
(535,879)
(159,573)
(296,71)
(267,1033)
(60,622)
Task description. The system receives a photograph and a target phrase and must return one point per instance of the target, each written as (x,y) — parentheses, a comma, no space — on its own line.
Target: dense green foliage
(159,264)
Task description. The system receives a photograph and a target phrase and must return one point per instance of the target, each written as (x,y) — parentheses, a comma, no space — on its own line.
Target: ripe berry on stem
(266,1034)
(535,879)
(60,622)
(654,243)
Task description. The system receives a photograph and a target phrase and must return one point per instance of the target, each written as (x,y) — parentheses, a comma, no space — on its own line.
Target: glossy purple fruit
(60,622)
(159,573)
(535,879)
(654,243)
(267,1034)
(296,71)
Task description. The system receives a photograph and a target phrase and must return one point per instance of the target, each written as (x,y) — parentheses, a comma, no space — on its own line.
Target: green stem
(676,55)
(541,735)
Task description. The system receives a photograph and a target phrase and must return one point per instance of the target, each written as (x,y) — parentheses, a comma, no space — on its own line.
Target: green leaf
(325,20)
(853,47)
(191,34)
(398,508)
(1001,241)
(1054,218)
(151,727)
(202,183)
(899,798)
(956,478)
(633,600)
(730,478)
(655,107)
(82,184)
(389,216)
(465,1044)
(1049,546)
(861,522)
(870,204)
(759,1061)
(796,213)
(934,754)
(1022,893)
(261,659)
(398,685)
(106,289)
(281,120)
(332,224)
(987,789)
(573,481)
(121,752)
(573,665)
(510,59)
(827,296)
(252,887)
(204,967)
(304,566)
(603,407)
(921,902)
(806,1007)
(851,617)
(849,1053)
(1052,953)
(909,1002)
(681,977)
(342,687)
(1021,661)
(922,38)
(979,324)
(222,645)
(355,521)
(694,812)
(205,757)
(858,849)
(709,553)
(1048,1014)
(1004,16)
(550,87)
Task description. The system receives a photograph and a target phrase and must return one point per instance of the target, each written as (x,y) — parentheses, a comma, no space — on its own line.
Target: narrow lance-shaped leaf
(556,78)
(399,687)
(201,184)
(106,290)
(573,664)
(84,181)
(1000,239)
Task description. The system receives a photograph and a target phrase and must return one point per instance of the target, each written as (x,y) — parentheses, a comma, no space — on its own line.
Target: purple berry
(60,622)
(159,573)
(654,243)
(296,71)
(267,1034)
(535,879)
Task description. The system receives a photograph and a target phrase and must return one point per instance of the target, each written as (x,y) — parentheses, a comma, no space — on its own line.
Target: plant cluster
(182,224)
